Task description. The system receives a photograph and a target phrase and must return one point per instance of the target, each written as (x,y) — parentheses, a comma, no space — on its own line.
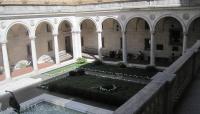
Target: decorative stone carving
(152,16)
(55,21)
(97,18)
(3,25)
(45,59)
(32,23)
(186,16)
(22,64)
(123,17)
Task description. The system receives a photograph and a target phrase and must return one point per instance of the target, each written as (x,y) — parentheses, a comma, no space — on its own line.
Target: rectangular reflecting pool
(48,108)
(49,104)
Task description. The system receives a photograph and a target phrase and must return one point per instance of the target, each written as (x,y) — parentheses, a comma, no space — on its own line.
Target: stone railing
(162,93)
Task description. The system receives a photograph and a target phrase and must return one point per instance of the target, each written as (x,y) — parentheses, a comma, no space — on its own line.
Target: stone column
(56,48)
(74,44)
(152,52)
(34,54)
(99,44)
(124,47)
(76,41)
(185,34)
(5,61)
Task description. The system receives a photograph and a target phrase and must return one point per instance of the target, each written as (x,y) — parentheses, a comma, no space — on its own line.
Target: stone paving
(26,70)
(190,103)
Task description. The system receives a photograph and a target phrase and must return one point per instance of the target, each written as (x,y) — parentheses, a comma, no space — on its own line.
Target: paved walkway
(190,103)
(26,70)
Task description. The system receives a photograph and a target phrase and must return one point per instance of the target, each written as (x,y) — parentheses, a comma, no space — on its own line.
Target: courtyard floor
(26,70)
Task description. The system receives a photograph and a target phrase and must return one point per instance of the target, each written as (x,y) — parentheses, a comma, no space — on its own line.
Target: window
(159,47)
(117,27)
(28,48)
(121,43)
(48,28)
(50,45)
(175,37)
(146,44)
(175,48)
(146,26)
(82,41)
(103,45)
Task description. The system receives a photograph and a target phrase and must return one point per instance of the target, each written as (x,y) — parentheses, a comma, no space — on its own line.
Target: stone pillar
(76,42)
(34,54)
(56,48)
(74,45)
(99,45)
(124,47)
(152,53)
(78,39)
(185,34)
(5,61)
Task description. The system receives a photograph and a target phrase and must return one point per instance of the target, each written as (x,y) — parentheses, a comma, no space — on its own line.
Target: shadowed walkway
(190,103)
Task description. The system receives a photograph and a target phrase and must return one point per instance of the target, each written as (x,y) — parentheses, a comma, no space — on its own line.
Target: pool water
(48,108)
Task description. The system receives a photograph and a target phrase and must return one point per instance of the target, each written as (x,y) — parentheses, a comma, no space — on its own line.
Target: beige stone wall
(89,35)
(111,35)
(194,33)
(18,38)
(162,37)
(67,2)
(43,36)
(17,41)
(136,34)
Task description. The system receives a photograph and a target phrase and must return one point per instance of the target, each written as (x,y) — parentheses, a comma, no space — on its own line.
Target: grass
(117,69)
(64,69)
(87,87)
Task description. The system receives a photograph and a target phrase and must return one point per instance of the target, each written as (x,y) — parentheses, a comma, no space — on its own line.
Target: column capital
(55,34)
(99,31)
(3,42)
(185,33)
(152,32)
(76,31)
(123,31)
(32,38)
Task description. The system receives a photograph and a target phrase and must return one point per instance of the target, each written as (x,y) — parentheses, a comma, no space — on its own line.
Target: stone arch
(140,17)
(45,21)
(169,40)
(169,15)
(191,21)
(89,18)
(26,26)
(114,18)
(65,20)
(192,32)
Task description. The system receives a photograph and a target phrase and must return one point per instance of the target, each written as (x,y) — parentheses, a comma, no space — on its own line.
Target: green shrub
(122,65)
(72,73)
(81,61)
(80,72)
(98,62)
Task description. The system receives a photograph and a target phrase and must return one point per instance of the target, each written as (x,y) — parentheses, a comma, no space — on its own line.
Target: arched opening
(44,45)
(193,32)
(65,42)
(111,40)
(89,41)
(138,41)
(168,41)
(19,50)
